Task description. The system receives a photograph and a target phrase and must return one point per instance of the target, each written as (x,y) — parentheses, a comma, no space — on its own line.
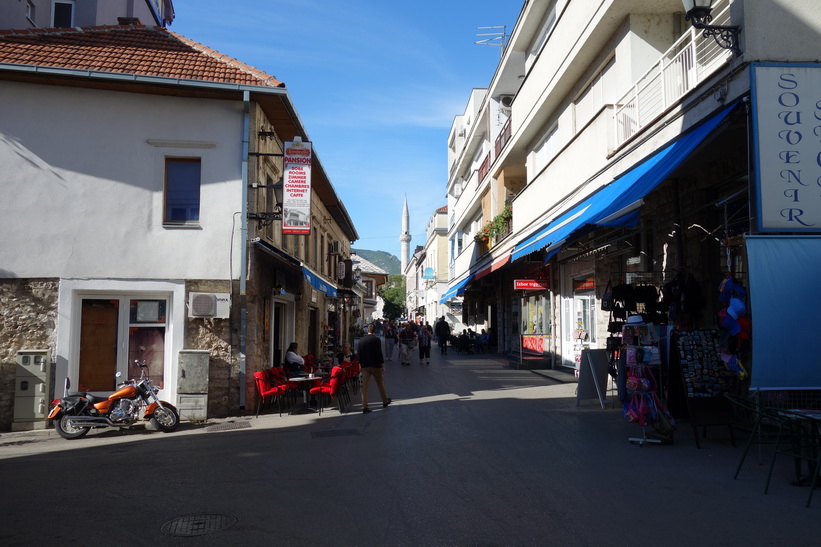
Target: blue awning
(618,203)
(317,283)
(456,290)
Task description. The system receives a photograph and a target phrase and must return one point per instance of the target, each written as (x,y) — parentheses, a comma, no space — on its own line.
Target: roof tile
(132,49)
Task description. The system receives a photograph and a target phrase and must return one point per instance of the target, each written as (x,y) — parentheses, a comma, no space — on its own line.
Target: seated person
(482,341)
(294,364)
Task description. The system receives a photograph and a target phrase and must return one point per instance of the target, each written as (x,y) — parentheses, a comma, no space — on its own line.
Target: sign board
(296,199)
(428,274)
(787,146)
(531,284)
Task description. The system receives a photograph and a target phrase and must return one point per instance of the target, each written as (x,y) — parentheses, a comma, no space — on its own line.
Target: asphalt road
(470,453)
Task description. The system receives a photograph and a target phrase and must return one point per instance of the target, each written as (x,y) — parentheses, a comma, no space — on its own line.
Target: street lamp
(698,11)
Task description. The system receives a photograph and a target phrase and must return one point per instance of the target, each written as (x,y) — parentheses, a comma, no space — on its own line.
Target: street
(471,452)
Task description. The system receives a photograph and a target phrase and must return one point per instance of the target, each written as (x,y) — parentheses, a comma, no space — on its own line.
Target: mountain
(384,260)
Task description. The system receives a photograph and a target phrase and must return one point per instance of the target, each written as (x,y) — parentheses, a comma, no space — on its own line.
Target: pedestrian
(372,362)
(390,340)
(407,339)
(443,334)
(424,345)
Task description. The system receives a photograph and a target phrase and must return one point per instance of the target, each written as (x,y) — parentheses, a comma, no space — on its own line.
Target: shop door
(98,345)
(579,326)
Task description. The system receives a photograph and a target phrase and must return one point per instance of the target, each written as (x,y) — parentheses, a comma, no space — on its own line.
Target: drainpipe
(243,268)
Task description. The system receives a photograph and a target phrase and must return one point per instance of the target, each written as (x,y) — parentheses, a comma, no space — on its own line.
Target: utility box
(192,384)
(31,390)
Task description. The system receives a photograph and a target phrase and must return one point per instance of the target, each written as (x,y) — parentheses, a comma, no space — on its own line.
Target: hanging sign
(531,284)
(787,154)
(296,198)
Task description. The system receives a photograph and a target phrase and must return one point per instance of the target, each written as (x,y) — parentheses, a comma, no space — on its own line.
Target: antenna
(494,38)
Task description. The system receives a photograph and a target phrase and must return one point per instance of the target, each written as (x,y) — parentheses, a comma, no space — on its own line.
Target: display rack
(706,378)
(328,345)
(643,405)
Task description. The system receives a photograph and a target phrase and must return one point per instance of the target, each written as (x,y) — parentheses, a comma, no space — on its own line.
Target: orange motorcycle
(76,413)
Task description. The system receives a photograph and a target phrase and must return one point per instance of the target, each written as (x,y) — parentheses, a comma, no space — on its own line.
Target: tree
(393,293)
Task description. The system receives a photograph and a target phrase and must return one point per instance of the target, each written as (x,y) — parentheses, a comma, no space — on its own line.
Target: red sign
(584,284)
(531,284)
(536,343)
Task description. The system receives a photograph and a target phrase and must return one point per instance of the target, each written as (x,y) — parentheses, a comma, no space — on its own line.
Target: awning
(456,290)
(618,203)
(493,266)
(277,253)
(317,282)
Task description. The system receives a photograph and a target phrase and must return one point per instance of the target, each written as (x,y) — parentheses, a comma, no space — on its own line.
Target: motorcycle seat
(95,398)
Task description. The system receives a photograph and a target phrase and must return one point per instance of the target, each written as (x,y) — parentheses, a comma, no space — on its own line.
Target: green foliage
(495,226)
(393,293)
(384,260)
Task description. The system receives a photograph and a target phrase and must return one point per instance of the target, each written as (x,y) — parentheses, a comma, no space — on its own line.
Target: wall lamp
(698,11)
(268,218)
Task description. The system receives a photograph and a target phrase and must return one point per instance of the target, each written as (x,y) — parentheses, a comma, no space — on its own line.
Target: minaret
(405,238)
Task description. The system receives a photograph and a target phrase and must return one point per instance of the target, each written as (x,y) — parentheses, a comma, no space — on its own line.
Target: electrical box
(31,390)
(192,384)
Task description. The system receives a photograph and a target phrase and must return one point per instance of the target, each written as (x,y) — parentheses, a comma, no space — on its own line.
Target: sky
(376,85)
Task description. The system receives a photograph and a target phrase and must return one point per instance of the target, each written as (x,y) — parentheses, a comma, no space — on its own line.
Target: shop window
(536,313)
(146,339)
(182,190)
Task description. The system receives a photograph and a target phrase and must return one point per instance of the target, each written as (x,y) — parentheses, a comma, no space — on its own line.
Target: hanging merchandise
(642,404)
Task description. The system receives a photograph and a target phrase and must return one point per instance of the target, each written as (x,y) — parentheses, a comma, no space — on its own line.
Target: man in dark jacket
(442,334)
(372,361)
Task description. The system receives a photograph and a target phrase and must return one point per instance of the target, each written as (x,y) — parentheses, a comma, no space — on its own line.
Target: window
(182,191)
(546,150)
(30,12)
(541,38)
(594,96)
(63,14)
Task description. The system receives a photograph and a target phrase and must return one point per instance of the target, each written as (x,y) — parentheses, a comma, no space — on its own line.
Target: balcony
(688,62)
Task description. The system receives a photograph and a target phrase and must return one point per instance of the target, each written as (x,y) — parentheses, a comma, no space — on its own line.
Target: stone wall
(28,312)
(218,336)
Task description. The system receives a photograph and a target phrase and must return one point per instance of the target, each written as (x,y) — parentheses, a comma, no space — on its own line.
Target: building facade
(613,146)
(162,240)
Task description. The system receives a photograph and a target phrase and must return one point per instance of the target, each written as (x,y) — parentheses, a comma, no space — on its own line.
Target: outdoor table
(305,382)
(810,421)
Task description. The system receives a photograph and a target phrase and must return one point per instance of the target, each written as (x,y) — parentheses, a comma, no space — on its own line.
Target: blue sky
(376,84)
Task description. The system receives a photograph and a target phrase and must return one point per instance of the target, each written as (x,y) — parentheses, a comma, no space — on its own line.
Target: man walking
(372,361)
(442,334)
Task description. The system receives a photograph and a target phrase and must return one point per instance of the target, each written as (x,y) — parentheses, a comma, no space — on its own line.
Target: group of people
(372,358)
(408,336)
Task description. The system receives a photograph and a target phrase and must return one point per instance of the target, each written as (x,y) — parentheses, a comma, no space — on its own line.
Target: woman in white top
(293,362)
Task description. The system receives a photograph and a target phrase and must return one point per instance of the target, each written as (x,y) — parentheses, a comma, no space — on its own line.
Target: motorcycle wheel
(166,419)
(68,432)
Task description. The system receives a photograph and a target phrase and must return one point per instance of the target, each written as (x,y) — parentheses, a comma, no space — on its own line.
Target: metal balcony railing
(681,69)
(502,139)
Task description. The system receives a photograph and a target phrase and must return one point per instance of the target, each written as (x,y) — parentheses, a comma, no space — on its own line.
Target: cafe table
(305,382)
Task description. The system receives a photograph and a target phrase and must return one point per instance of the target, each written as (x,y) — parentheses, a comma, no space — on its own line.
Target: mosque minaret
(405,238)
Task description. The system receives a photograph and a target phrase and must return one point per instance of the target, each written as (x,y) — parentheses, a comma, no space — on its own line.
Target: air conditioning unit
(208,304)
(334,248)
(506,101)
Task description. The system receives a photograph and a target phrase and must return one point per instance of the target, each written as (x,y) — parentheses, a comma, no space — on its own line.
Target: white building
(138,213)
(618,134)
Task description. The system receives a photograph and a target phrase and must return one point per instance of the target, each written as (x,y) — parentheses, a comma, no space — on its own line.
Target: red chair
(329,388)
(269,389)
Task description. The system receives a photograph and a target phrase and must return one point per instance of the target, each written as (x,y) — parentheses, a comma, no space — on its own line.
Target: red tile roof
(127,49)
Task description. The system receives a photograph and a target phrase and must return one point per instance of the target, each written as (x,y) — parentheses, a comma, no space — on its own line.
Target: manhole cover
(228,426)
(198,525)
(335,433)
